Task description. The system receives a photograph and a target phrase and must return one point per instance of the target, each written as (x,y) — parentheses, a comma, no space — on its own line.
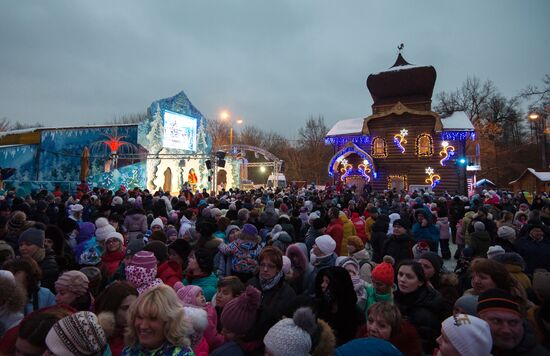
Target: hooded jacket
(136,223)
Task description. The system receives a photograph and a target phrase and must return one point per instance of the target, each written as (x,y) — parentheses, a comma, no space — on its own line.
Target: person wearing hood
(480,240)
(317,228)
(187,221)
(114,253)
(135,223)
(348,230)
(424,230)
(301,269)
(358,250)
(243,253)
(12,302)
(336,302)
(515,265)
(194,304)
(360,226)
(486,218)
(142,271)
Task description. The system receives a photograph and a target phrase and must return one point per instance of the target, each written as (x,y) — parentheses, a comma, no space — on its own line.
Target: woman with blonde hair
(157,325)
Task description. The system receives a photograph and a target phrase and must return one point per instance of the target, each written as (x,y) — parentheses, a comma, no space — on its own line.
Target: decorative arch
(345,152)
(424,145)
(379,148)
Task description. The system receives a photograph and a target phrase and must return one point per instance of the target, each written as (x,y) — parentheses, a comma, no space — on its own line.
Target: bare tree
(313,151)
(540,95)
(219,132)
(21,126)
(4,124)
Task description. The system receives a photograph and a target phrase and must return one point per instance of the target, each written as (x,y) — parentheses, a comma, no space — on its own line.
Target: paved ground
(451,264)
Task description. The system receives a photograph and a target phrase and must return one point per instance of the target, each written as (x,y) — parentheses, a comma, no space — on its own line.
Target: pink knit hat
(145,259)
(187,294)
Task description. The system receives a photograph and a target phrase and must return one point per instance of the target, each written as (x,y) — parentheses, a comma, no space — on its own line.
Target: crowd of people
(273,272)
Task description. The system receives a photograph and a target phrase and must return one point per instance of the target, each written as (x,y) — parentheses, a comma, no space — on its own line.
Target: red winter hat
(145,259)
(384,271)
(239,315)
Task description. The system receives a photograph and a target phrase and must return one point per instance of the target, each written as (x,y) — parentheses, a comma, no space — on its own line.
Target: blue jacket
(428,233)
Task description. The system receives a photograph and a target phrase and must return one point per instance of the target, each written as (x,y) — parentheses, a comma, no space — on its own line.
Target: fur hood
(198,318)
(326,340)
(108,323)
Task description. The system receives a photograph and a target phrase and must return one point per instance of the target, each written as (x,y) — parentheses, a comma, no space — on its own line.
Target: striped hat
(497,299)
(144,259)
(77,334)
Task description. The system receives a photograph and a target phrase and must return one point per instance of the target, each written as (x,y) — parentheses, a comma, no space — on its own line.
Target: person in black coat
(277,295)
(399,244)
(379,237)
(336,303)
(422,305)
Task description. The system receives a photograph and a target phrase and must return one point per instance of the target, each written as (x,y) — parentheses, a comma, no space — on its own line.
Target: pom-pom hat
(239,315)
(187,294)
(384,272)
(103,228)
(292,337)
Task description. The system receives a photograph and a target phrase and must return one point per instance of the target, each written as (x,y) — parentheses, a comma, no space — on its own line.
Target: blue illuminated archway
(346,151)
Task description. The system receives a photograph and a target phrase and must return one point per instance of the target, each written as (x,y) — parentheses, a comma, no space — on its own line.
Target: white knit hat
(495,251)
(115,235)
(468,334)
(103,228)
(506,233)
(157,221)
(292,337)
(326,244)
(117,201)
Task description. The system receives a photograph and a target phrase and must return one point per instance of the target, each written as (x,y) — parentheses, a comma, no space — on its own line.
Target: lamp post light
(535,117)
(225,116)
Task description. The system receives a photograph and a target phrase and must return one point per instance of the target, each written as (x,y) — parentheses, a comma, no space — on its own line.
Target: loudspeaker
(221,163)
(220,154)
(208,164)
(182,163)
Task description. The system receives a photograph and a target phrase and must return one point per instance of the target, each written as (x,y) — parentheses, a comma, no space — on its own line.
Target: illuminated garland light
(399,139)
(433,178)
(364,167)
(458,135)
(447,152)
(391,177)
(430,145)
(341,160)
(339,141)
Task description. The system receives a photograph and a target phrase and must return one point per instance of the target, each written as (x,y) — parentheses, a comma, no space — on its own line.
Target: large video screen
(180,132)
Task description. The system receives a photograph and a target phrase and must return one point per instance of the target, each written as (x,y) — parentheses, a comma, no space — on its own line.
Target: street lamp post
(535,117)
(224,116)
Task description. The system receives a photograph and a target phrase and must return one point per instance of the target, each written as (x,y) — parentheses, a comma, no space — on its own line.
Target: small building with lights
(403,144)
(168,149)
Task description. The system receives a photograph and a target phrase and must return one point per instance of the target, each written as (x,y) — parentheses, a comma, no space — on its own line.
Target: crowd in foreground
(284,272)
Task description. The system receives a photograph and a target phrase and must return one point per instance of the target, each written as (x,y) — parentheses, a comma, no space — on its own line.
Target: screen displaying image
(180,132)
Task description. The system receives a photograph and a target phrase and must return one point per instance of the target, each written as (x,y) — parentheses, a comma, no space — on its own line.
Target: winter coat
(528,346)
(244,255)
(536,254)
(360,226)
(169,272)
(269,217)
(398,247)
(230,348)
(515,265)
(166,350)
(534,315)
(377,240)
(348,230)
(466,222)
(135,223)
(365,264)
(340,311)
(45,298)
(311,235)
(443,226)
(319,264)
(213,338)
(275,303)
(50,271)
(336,230)
(423,308)
(480,242)
(428,233)
(185,224)
(368,226)
(8,319)
(208,284)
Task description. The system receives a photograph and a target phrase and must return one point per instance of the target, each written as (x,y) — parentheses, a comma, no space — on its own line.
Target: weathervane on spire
(400,47)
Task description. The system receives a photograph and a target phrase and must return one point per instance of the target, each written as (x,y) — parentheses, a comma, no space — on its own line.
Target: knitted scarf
(268,284)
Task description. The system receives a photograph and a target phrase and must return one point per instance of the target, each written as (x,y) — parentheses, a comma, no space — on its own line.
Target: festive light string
(399,139)
(374,152)
(433,178)
(340,159)
(458,135)
(447,151)
(430,146)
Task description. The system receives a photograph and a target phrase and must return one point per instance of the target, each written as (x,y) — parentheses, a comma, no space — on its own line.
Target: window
(424,145)
(379,149)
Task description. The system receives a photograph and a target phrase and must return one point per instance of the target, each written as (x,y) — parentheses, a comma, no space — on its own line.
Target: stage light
(462,161)
(262,169)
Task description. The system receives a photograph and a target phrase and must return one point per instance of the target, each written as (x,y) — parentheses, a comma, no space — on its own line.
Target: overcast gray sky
(273,63)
